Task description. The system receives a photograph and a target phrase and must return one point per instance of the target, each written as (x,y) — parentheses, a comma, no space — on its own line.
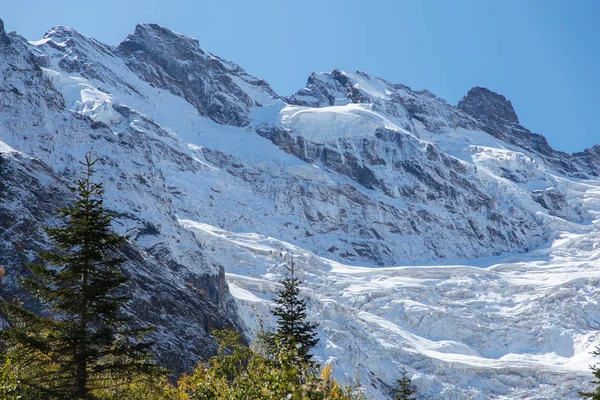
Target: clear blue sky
(543,55)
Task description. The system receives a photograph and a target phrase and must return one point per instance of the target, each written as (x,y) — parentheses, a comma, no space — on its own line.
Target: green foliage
(10,387)
(133,386)
(406,389)
(140,387)
(87,346)
(595,395)
(264,372)
(293,327)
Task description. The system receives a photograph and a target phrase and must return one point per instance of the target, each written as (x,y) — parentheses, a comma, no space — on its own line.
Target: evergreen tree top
(292,320)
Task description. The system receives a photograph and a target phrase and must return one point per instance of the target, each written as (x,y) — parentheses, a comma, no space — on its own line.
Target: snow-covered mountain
(449,239)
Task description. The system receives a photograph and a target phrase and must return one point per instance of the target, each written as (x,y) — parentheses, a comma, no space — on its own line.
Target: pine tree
(293,327)
(406,389)
(86,345)
(595,395)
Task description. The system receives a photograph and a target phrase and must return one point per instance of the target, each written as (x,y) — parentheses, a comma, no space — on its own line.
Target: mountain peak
(219,89)
(154,33)
(159,29)
(484,104)
(61,32)
(3,36)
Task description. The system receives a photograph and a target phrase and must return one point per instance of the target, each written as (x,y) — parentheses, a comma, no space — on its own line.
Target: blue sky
(543,55)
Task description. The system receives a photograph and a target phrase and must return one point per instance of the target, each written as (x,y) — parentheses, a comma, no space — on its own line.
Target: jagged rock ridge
(498,118)
(219,89)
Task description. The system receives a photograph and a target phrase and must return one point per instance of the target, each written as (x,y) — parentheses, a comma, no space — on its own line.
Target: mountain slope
(210,171)
(219,89)
(169,272)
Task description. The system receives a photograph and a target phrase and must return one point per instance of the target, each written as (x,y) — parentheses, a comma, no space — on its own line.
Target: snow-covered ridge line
(103,82)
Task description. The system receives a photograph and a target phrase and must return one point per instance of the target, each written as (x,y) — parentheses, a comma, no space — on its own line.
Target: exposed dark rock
(483,104)
(4,39)
(498,118)
(177,63)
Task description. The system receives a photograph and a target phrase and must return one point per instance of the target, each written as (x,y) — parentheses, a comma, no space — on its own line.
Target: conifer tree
(406,389)
(85,345)
(595,395)
(293,327)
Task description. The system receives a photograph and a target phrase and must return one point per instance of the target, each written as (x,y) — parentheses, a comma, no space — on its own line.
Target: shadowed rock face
(498,118)
(29,195)
(484,105)
(3,36)
(171,61)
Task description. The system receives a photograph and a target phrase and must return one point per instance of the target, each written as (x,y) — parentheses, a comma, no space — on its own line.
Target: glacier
(447,239)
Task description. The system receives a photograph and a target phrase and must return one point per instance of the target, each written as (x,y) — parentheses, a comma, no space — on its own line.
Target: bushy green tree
(265,372)
(85,345)
(293,327)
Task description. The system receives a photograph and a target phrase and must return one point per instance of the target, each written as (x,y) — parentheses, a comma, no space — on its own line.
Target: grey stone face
(174,304)
(483,104)
(178,64)
(498,118)
(4,38)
